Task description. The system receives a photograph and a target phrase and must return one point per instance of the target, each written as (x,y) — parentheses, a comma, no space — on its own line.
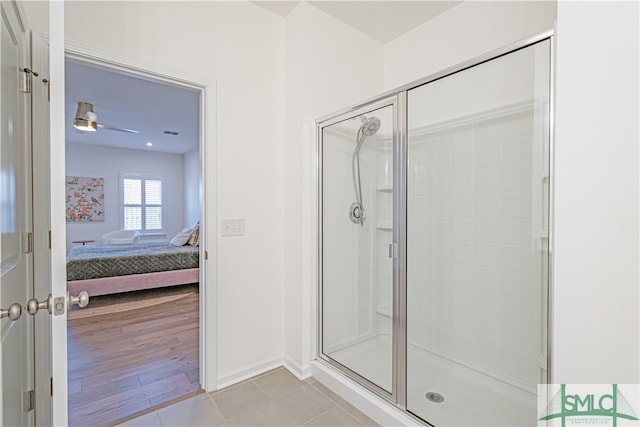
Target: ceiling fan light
(85,125)
(85,118)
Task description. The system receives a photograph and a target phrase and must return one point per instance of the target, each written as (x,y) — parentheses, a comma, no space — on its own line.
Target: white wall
(192,187)
(461,33)
(328,66)
(596,334)
(107,163)
(240,46)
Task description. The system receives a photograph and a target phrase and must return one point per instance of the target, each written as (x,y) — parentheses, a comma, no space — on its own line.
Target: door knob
(33,305)
(82,300)
(13,312)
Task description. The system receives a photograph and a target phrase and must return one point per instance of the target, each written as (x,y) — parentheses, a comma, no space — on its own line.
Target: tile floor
(275,398)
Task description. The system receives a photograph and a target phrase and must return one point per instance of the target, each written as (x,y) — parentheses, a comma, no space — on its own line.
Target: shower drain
(434,397)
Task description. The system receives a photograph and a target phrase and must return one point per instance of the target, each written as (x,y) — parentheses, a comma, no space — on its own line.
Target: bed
(111,269)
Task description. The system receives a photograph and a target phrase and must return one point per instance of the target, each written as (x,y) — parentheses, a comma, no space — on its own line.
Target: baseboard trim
(250,371)
(295,368)
(260,368)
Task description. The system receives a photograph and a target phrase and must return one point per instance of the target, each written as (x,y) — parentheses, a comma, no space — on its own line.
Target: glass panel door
(477,242)
(356,155)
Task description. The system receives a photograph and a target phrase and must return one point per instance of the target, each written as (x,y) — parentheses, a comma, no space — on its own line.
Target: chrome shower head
(370,126)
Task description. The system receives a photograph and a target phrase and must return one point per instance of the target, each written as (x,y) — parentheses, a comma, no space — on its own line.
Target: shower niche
(433,231)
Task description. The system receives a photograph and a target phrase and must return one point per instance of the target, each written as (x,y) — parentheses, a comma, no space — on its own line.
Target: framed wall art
(85,199)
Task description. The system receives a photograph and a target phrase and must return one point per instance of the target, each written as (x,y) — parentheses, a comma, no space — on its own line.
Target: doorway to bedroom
(133,207)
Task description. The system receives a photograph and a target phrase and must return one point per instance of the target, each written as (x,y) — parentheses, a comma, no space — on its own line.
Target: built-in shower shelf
(384,226)
(387,188)
(385,311)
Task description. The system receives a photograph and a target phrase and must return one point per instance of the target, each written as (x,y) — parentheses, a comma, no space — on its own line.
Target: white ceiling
(281,8)
(381,20)
(125,101)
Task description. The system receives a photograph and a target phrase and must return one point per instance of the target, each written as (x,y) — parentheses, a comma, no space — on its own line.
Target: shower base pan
(471,398)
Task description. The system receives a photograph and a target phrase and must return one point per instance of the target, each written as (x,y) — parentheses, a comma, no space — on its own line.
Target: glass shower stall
(434,236)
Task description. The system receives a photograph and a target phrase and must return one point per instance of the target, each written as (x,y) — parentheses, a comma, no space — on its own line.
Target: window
(141,203)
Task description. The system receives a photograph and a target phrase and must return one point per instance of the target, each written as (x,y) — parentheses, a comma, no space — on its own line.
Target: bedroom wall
(240,46)
(191,187)
(107,163)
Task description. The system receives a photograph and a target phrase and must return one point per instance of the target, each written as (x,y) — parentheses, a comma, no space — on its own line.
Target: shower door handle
(393,250)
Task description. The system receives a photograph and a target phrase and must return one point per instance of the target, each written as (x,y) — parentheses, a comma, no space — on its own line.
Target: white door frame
(208,205)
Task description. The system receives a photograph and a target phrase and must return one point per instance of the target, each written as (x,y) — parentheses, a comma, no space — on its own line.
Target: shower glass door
(356,268)
(477,241)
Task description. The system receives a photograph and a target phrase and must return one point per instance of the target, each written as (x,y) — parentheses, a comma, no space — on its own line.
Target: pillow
(118,240)
(181,238)
(194,239)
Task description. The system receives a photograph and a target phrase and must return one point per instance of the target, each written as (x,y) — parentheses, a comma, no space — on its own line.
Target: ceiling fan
(87,121)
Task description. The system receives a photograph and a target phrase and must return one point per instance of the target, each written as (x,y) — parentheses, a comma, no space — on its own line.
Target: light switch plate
(232,227)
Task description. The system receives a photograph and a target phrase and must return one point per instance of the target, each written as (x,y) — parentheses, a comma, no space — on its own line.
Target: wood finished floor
(127,363)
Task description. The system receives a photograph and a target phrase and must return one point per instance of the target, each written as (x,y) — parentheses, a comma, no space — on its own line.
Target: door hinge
(29,403)
(51,386)
(206,255)
(49,239)
(27,243)
(25,84)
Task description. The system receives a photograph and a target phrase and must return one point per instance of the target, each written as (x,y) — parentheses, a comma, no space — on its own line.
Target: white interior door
(19,236)
(41,225)
(16,279)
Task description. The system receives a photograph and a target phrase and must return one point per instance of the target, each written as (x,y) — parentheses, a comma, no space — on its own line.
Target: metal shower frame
(397,99)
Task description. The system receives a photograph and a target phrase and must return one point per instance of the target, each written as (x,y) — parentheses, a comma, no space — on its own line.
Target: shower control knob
(356,213)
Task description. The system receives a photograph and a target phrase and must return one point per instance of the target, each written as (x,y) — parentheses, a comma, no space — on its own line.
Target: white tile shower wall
(471,285)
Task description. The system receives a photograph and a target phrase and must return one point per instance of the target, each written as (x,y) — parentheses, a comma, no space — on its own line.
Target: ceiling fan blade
(103,126)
